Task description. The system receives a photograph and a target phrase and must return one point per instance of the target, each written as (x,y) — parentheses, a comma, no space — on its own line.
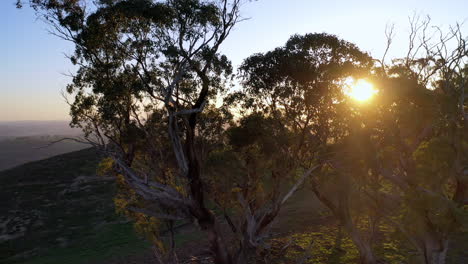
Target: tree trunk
(433,245)
(206,219)
(366,253)
(245,250)
(341,212)
(218,247)
(435,253)
(461,192)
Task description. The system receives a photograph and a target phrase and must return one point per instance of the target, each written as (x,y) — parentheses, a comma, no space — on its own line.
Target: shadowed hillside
(58,206)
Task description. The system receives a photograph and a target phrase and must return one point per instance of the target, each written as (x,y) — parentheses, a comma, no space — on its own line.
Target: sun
(361,90)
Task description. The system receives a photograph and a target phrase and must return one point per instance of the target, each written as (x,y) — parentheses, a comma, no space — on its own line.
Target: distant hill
(21,141)
(58,211)
(19,150)
(10,129)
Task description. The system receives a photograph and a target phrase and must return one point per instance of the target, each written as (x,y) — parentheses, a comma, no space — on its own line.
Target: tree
(300,86)
(251,176)
(149,62)
(418,132)
(145,93)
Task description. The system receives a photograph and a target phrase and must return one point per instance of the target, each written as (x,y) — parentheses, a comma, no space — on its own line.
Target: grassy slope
(80,226)
(65,214)
(314,237)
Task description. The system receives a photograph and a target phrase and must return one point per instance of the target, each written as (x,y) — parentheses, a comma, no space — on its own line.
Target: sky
(34,69)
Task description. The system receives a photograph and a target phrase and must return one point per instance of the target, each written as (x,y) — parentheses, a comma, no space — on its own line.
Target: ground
(57,211)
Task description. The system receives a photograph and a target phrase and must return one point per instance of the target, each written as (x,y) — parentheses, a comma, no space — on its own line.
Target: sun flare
(361,90)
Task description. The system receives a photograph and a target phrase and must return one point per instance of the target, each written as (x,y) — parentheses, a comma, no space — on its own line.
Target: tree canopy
(153,93)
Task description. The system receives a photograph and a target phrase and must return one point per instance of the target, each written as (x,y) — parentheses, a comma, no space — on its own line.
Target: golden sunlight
(361,90)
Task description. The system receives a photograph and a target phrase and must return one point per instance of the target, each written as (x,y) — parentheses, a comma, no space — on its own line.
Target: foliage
(152,93)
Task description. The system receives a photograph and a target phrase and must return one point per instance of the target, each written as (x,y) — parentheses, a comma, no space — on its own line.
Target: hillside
(57,211)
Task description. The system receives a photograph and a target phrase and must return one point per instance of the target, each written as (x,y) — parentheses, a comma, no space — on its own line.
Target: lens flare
(361,90)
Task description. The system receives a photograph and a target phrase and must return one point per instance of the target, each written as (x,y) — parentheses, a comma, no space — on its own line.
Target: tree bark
(435,253)
(433,245)
(366,254)
(461,193)
(206,219)
(341,211)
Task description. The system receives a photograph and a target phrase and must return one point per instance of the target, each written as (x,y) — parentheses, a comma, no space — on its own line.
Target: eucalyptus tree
(302,84)
(251,177)
(301,87)
(146,70)
(418,133)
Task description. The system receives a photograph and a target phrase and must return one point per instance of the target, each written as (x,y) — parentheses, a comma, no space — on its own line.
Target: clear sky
(33,66)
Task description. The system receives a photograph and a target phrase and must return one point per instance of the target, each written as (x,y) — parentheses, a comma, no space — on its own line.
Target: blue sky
(33,64)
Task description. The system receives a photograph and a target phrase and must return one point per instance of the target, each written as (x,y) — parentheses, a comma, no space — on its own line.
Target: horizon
(32,120)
